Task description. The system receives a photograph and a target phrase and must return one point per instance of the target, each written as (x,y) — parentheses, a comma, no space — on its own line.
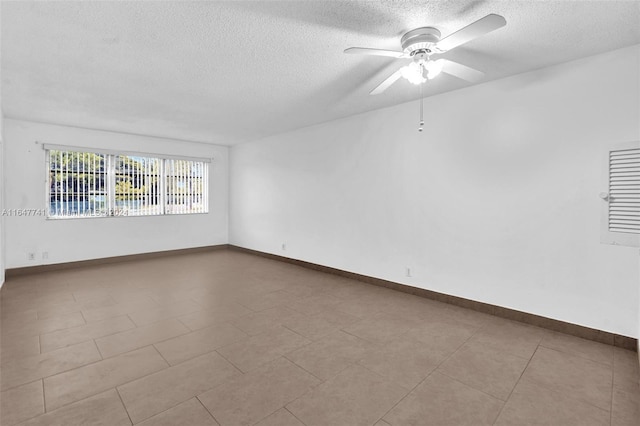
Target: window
(93,184)
(621,207)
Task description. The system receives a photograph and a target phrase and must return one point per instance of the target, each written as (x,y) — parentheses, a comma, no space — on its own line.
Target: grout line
(83,318)
(584,401)
(613,366)
(518,381)
(579,355)
(153,345)
(234,366)
(205,407)
(430,373)
(44,398)
(104,390)
(122,402)
(309,372)
(290,412)
(297,334)
(102,358)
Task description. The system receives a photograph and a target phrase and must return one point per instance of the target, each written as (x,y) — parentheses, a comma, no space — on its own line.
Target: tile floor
(228,338)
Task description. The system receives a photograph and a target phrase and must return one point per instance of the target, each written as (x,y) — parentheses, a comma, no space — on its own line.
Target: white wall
(2,252)
(82,239)
(496,201)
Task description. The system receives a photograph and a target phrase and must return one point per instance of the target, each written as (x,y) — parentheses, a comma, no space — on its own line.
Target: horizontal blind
(624,191)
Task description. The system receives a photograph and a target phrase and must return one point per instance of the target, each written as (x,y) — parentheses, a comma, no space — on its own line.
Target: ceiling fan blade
(461,71)
(472,31)
(387,82)
(374,52)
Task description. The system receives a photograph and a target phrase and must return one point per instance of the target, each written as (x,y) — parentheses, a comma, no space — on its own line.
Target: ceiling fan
(421,43)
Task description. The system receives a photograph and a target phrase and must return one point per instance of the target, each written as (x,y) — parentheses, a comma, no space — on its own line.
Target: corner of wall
(2,263)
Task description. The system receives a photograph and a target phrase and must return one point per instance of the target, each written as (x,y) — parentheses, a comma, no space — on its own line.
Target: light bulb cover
(434,68)
(413,73)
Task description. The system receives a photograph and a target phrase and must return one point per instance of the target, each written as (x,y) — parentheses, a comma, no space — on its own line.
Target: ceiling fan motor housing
(423,38)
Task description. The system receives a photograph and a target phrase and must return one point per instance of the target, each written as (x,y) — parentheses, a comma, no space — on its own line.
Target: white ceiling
(226,72)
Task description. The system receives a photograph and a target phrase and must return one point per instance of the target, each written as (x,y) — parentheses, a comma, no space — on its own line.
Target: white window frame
(110,157)
(606,235)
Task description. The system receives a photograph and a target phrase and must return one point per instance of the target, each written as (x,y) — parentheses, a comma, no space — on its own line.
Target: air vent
(624,191)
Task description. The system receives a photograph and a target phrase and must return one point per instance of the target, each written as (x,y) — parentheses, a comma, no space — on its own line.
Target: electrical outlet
(284,246)
(408,271)
(31,256)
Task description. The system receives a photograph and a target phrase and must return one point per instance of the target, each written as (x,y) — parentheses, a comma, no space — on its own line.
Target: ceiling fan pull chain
(421,107)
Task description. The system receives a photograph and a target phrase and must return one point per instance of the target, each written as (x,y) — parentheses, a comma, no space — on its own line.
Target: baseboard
(14,272)
(499,311)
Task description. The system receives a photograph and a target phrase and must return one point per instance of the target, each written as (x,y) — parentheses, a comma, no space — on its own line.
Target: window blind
(624,191)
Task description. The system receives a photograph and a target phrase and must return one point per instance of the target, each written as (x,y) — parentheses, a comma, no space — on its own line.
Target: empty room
(320,213)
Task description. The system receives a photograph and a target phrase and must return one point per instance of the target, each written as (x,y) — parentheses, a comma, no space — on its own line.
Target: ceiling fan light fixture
(434,68)
(413,73)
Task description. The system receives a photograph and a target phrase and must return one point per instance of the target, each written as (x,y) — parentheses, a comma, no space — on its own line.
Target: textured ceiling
(226,72)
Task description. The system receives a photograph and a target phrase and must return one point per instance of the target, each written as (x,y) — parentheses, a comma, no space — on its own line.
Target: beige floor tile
(330,355)
(470,317)
(414,307)
(315,304)
(485,368)
(316,326)
(84,294)
(69,307)
(305,289)
(626,370)
(531,404)
(260,302)
(129,303)
(165,389)
(71,336)
(262,321)
(381,328)
(282,417)
(48,325)
(448,331)
(21,403)
(359,308)
(197,315)
(101,410)
(39,300)
(92,379)
(405,362)
(54,310)
(588,349)
(18,347)
(511,337)
(8,314)
(256,350)
(442,401)
(139,337)
(625,408)
(571,375)
(246,399)
(199,342)
(189,413)
(25,370)
(354,397)
(219,315)
(148,316)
